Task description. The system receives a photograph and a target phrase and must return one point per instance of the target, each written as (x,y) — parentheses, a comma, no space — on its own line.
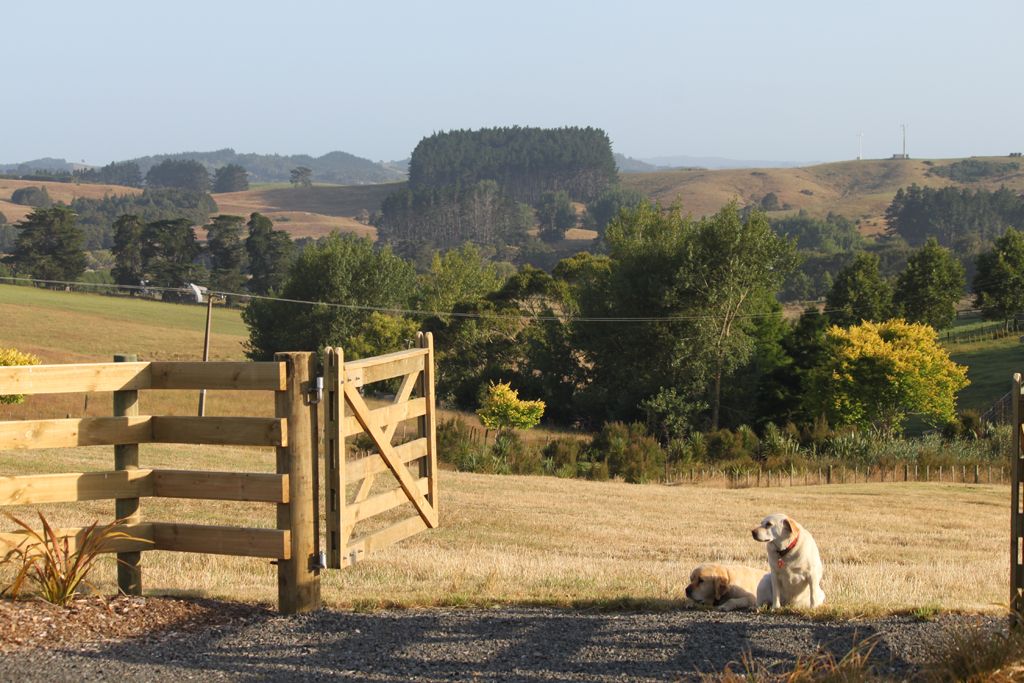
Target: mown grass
(990,367)
(540,540)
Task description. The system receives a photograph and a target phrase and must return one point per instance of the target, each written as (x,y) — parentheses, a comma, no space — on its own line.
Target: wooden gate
(369,495)
(1016,511)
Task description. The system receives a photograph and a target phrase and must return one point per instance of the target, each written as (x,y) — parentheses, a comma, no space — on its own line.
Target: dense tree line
(446,217)
(96,217)
(966,220)
(115,173)
(525,162)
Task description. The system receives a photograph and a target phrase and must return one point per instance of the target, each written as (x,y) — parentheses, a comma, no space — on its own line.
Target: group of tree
(447,217)
(32,196)
(96,217)
(125,173)
(963,219)
(525,162)
(162,253)
(676,325)
(484,186)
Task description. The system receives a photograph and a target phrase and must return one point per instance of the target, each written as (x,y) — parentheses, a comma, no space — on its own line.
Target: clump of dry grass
(976,653)
(819,667)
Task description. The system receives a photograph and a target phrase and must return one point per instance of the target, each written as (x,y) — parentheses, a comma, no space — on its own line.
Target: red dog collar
(783,552)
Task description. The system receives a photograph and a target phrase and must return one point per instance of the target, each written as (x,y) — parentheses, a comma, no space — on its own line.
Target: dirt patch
(26,624)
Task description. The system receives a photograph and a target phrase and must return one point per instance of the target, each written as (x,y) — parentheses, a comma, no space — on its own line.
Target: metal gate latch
(316,391)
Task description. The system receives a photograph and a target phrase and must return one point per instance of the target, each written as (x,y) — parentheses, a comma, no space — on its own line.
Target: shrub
(515,456)
(563,454)
(15,357)
(457,445)
(31,196)
(629,452)
(54,564)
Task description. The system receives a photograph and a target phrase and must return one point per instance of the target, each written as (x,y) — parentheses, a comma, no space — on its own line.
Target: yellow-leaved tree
(15,357)
(503,410)
(879,374)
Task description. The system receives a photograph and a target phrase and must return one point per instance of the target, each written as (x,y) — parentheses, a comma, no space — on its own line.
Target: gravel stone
(503,644)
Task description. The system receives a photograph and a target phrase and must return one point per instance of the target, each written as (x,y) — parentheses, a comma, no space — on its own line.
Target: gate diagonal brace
(387,453)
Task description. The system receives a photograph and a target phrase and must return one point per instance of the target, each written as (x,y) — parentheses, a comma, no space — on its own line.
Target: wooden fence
(295,544)
(768,478)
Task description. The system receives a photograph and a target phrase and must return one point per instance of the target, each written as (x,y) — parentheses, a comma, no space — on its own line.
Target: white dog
(793,560)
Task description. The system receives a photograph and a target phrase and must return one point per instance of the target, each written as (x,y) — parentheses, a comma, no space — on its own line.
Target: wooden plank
(238,376)
(429,421)
(359,549)
(85,431)
(35,489)
(243,486)
(222,431)
(334,459)
(222,540)
(379,368)
(1016,514)
(387,451)
(386,415)
(374,464)
(382,502)
(73,378)
(142,537)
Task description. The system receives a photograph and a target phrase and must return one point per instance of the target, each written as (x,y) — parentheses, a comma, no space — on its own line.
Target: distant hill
(859,190)
(681,161)
(631,165)
(334,167)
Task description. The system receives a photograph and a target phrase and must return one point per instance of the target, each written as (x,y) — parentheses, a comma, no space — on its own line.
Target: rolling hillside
(59,192)
(860,190)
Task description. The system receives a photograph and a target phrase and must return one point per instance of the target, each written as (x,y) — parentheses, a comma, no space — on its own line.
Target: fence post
(126,457)
(828,475)
(428,423)
(298,578)
(906,472)
(976,476)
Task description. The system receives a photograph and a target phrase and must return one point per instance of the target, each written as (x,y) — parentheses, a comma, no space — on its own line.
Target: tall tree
(227,253)
(859,293)
(49,246)
(184,174)
(459,275)
(929,287)
(129,266)
(169,251)
(878,374)
(349,276)
(302,176)
(555,215)
(733,267)
(999,282)
(607,206)
(270,253)
(230,178)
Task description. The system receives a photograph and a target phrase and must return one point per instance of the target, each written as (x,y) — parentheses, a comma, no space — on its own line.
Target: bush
(629,452)
(457,445)
(563,453)
(56,566)
(15,357)
(514,456)
(32,196)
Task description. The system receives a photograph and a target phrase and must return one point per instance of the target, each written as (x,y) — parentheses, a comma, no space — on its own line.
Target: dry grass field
(308,212)
(59,192)
(507,539)
(539,540)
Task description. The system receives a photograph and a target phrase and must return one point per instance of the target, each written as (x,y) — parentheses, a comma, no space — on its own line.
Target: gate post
(298,578)
(126,457)
(428,423)
(1016,514)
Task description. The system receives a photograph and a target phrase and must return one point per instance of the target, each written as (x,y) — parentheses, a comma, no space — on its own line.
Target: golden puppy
(794,561)
(728,586)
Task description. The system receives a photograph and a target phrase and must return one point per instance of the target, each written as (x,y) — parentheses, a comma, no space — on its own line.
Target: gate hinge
(316,391)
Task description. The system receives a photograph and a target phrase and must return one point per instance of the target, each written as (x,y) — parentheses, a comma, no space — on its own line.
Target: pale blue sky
(790,81)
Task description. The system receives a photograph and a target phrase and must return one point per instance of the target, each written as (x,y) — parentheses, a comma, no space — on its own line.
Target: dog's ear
(790,525)
(721,585)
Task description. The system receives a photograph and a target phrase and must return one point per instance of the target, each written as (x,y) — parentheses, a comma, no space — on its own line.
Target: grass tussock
(820,667)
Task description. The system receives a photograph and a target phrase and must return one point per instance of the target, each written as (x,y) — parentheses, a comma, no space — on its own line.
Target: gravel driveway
(518,644)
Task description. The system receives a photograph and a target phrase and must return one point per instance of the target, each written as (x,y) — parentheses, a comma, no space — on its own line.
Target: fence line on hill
(831,475)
